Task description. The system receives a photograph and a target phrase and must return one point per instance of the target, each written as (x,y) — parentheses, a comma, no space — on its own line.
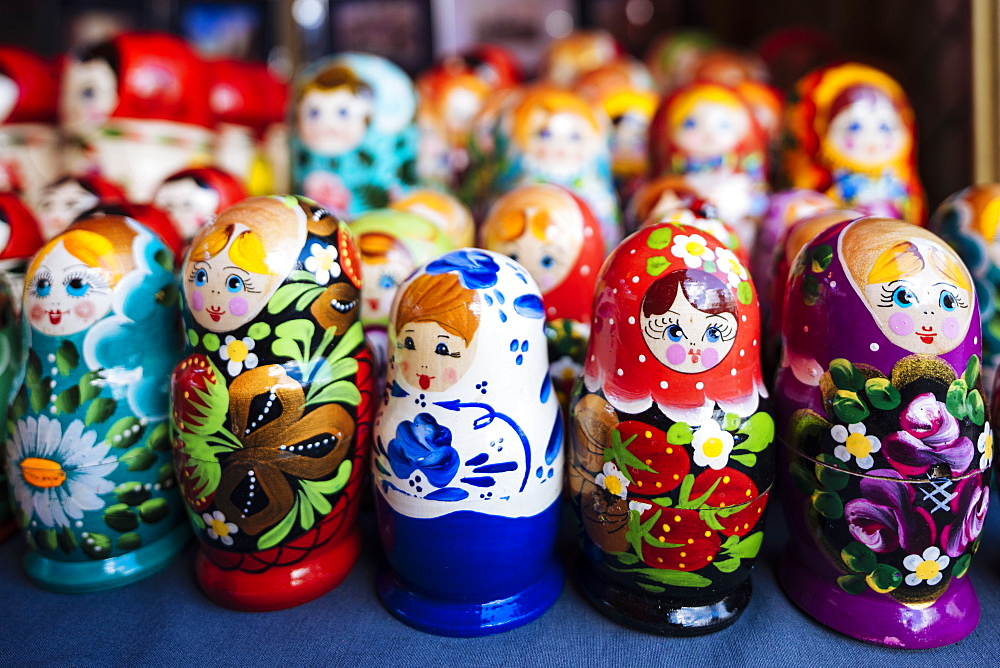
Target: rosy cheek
(901,324)
(676,354)
(84,310)
(197,300)
(405,366)
(710,357)
(950,328)
(37,312)
(450,375)
(238,306)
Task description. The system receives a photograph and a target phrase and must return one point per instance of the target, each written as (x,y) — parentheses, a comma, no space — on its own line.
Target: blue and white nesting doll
(468,461)
(89,450)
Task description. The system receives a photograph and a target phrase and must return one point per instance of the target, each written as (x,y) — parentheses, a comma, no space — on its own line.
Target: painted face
(8,96)
(65,296)
(548,261)
(564,140)
(60,204)
(333,122)
(89,95)
(923,313)
(711,129)
(688,340)
(222,296)
(868,132)
(189,206)
(431,357)
(381,280)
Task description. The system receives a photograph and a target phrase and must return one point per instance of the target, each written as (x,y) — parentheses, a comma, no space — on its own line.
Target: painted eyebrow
(443,336)
(408,329)
(236,268)
(717,315)
(950,285)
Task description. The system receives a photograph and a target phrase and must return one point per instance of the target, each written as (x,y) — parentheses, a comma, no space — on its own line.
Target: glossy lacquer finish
(468,460)
(887,442)
(271,404)
(672,459)
(89,449)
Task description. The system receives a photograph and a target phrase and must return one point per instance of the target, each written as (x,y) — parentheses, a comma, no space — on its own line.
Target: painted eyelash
(96,281)
(726,332)
(657,327)
(39,275)
(886,298)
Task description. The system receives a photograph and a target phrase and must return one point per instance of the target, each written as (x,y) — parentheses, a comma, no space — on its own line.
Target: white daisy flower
(855,443)
(323,263)
(712,445)
(927,567)
(237,353)
(693,249)
(218,528)
(613,480)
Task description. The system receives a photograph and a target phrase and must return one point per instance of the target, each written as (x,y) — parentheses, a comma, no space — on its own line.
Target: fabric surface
(166,621)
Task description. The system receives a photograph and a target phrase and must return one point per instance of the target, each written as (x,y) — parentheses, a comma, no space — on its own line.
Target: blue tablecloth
(165,620)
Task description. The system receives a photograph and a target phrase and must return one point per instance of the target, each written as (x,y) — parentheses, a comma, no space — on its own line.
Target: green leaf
(731,422)
(154,510)
(99,410)
(955,399)
(828,504)
(673,578)
(67,540)
(139,458)
(971,374)
(125,433)
(285,295)
(664,501)
(711,267)
(728,565)
(280,531)
(744,293)
(132,493)
(975,408)
(259,330)
(810,290)
(89,386)
(68,400)
(334,484)
(211,342)
(821,258)
(207,417)
(618,452)
(316,499)
(882,394)
(660,238)
(710,516)
(846,376)
(67,357)
(884,578)
(352,338)
(308,298)
(204,460)
(286,348)
(129,541)
(679,433)
(684,499)
(96,545)
(340,392)
(749,547)
(749,460)
(961,566)
(626,558)
(849,407)
(656,265)
(656,589)
(46,539)
(759,430)
(830,477)
(159,438)
(858,557)
(121,517)
(165,475)
(853,584)
(307,517)
(192,338)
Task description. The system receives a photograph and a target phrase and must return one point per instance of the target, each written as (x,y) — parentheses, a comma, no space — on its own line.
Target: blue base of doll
(469,620)
(80,577)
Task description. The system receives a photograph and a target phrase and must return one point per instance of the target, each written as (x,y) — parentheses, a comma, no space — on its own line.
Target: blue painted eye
(948,300)
(712,334)
(689,124)
(855,126)
(386,282)
(548,261)
(200,278)
(545,133)
(442,349)
(77,287)
(576,136)
(903,296)
(88,93)
(675,333)
(343,112)
(313,113)
(234,283)
(884,128)
(43,288)
(408,343)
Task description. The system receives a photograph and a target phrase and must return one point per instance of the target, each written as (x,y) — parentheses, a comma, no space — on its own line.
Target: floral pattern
(476,270)
(736,273)
(611,479)
(237,353)
(322,262)
(692,249)
(712,445)
(855,443)
(985,446)
(218,528)
(929,435)
(927,567)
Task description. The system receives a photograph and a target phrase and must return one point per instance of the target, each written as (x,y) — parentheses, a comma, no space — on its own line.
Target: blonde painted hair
(685,101)
(246,252)
(103,243)
(543,103)
(904,259)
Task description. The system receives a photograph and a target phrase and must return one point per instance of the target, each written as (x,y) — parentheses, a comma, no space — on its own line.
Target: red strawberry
(696,544)
(669,463)
(193,373)
(185,472)
(733,489)
(743,522)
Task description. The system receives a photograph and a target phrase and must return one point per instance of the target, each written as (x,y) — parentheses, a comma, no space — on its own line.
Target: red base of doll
(280,587)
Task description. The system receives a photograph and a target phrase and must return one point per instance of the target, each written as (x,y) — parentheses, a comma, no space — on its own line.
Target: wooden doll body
(887,445)
(672,464)
(89,451)
(468,455)
(271,405)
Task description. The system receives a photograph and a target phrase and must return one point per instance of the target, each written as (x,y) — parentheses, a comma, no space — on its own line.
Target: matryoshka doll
(444,210)
(136,108)
(62,201)
(29,136)
(708,132)
(556,136)
(20,237)
(89,450)
(392,244)
(968,221)
(569,58)
(552,233)
(13,344)
(468,458)
(152,217)
(672,459)
(851,135)
(194,197)
(236,99)
(887,445)
(272,403)
(354,139)
(673,57)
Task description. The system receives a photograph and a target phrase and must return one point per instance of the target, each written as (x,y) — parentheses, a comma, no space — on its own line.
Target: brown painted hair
(704,291)
(441,299)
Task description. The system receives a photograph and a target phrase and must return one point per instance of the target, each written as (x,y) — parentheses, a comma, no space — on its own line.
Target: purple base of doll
(879,619)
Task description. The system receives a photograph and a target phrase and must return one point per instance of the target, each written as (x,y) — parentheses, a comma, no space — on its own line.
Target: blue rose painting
(476,270)
(423,445)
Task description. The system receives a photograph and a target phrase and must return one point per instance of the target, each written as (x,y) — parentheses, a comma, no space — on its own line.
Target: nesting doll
(552,233)
(152,217)
(468,455)
(968,222)
(392,244)
(444,210)
(354,140)
(851,135)
(582,51)
(136,108)
(273,138)
(704,217)
(556,136)
(89,449)
(194,197)
(888,445)
(62,201)
(20,237)
(672,459)
(708,132)
(236,100)
(672,58)
(13,344)
(487,144)
(29,136)
(271,405)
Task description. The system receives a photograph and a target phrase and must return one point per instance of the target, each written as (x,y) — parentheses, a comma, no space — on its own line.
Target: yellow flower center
(694,248)
(988,446)
(859,445)
(238,351)
(613,485)
(42,472)
(324,260)
(220,528)
(712,447)
(927,570)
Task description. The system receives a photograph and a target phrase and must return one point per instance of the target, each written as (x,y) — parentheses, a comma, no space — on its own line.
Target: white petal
(219,516)
(718,463)
(876,445)
(234,367)
(857,428)
(599,480)
(913,580)
(44,507)
(249,343)
(251,361)
(912,561)
(207,518)
(311,263)
(232,527)
(82,494)
(224,353)
(932,553)
(943,561)
(212,534)
(934,580)
(226,540)
(839,433)
(841,453)
(229,339)
(866,462)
